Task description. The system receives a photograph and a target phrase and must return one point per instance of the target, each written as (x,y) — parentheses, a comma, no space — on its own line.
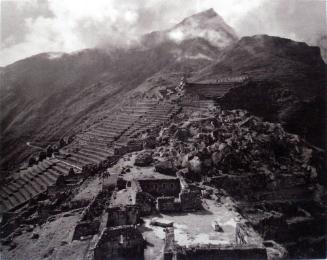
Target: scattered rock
(216,227)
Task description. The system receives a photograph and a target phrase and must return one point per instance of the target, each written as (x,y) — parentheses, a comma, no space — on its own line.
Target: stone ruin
(123,242)
(274,176)
(166,195)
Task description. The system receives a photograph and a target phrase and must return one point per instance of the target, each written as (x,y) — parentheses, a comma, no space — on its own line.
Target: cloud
(29,27)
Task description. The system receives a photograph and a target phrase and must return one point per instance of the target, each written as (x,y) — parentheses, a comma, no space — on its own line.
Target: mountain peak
(206,24)
(209,13)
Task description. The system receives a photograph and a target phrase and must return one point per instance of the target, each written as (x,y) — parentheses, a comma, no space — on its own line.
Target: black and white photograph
(163,129)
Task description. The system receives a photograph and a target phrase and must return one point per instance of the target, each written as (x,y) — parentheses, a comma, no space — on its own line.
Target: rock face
(35,89)
(288,82)
(303,117)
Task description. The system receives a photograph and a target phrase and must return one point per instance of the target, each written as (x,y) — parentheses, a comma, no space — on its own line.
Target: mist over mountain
(115,152)
(207,25)
(50,95)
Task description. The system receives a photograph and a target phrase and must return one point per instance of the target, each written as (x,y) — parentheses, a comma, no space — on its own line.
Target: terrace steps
(95,156)
(94,148)
(24,193)
(61,169)
(84,159)
(73,163)
(101,153)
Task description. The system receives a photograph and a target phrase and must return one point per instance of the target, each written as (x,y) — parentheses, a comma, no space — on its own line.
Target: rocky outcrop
(274,103)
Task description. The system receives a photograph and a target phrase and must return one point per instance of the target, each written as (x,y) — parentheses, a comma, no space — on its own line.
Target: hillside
(289,87)
(52,95)
(196,145)
(45,98)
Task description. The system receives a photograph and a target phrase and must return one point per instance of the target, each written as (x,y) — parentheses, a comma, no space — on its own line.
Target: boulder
(161,222)
(166,167)
(143,159)
(216,227)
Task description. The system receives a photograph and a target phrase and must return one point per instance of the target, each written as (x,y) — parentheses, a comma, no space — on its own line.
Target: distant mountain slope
(50,95)
(44,98)
(290,87)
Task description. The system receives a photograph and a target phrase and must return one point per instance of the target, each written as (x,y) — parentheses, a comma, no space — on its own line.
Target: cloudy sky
(29,27)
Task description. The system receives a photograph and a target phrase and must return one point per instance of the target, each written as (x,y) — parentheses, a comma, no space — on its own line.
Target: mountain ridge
(55,92)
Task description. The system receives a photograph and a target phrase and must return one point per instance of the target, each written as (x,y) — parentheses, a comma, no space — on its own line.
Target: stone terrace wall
(161,187)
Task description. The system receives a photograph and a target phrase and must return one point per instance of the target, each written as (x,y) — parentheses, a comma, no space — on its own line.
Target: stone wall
(244,234)
(128,148)
(169,246)
(168,204)
(190,200)
(126,215)
(96,206)
(123,242)
(161,187)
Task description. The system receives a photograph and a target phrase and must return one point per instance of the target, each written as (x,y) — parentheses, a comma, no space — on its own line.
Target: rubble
(237,146)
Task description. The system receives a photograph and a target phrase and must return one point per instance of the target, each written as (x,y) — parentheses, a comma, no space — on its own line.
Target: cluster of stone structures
(167,195)
(272,174)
